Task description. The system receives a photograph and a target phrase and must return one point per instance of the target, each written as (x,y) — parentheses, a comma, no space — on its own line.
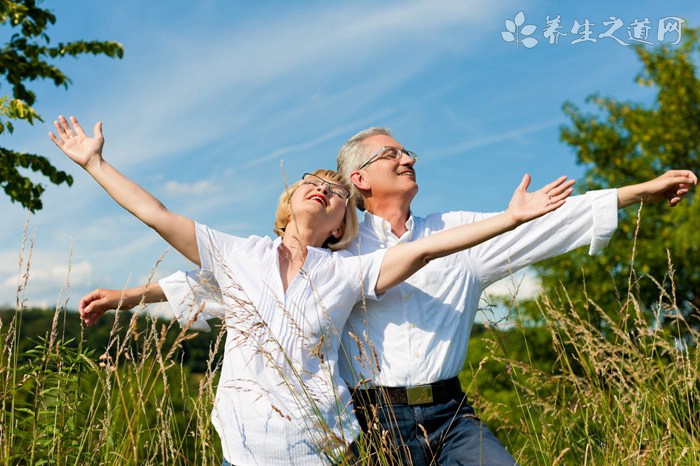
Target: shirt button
(407,296)
(416,355)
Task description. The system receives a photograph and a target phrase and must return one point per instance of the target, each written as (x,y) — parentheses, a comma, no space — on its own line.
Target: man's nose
(407,159)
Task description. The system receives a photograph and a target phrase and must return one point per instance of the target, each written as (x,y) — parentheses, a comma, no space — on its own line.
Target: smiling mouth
(410,173)
(320,199)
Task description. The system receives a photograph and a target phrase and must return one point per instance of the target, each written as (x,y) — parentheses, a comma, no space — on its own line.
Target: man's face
(388,177)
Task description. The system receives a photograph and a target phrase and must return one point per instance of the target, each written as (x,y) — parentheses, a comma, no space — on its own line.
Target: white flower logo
(514,32)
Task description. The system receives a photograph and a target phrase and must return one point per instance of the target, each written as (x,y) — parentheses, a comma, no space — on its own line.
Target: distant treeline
(34,325)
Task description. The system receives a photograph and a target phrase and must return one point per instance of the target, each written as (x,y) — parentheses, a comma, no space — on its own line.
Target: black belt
(437,392)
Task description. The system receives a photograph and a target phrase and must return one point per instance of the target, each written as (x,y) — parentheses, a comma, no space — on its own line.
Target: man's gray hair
(353,154)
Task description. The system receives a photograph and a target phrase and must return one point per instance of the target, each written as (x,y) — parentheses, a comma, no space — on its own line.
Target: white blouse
(280,399)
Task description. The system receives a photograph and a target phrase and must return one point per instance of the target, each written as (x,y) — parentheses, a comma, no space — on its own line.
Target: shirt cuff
(181,297)
(604,214)
(204,242)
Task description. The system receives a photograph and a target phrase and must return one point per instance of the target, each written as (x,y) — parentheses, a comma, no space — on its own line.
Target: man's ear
(359,180)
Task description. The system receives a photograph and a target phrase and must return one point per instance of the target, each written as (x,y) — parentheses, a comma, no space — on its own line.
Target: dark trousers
(446,433)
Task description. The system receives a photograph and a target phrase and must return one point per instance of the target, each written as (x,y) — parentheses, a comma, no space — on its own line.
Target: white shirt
(280,399)
(418,333)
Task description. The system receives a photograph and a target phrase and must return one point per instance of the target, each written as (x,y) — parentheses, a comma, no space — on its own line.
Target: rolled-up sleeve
(604,215)
(194,298)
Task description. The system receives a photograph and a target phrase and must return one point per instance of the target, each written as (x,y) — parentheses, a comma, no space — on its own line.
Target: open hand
(77,145)
(525,206)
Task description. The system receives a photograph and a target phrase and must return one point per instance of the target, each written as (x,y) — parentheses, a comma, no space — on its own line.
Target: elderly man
(403,353)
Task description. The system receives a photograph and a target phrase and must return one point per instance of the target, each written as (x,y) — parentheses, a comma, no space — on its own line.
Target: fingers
(94,304)
(63,131)
(683,176)
(678,179)
(87,300)
(97,130)
(554,205)
(681,182)
(63,127)
(675,196)
(93,311)
(557,191)
(76,125)
(554,184)
(554,199)
(55,139)
(525,183)
(564,188)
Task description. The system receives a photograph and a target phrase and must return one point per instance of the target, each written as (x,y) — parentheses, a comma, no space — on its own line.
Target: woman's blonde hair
(284,212)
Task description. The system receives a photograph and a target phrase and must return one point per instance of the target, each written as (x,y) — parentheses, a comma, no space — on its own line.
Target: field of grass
(577,385)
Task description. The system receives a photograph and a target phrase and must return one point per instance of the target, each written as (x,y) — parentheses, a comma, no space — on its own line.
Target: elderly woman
(280,399)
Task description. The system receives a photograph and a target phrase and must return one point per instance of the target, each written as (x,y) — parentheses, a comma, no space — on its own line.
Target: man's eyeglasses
(391,153)
(333,188)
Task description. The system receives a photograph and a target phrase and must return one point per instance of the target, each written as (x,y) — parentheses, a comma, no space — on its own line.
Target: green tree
(622,143)
(25,57)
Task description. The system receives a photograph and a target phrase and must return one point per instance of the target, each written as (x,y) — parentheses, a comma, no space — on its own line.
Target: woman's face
(322,199)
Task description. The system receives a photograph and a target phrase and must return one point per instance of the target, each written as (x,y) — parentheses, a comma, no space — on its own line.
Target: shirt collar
(312,251)
(382,228)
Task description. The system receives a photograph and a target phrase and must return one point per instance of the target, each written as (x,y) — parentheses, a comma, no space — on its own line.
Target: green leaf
(24,58)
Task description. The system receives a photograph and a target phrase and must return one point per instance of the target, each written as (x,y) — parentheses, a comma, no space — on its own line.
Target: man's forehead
(379,140)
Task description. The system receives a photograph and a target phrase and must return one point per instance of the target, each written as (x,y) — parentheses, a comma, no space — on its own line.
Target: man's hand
(77,145)
(99,301)
(94,304)
(525,206)
(671,186)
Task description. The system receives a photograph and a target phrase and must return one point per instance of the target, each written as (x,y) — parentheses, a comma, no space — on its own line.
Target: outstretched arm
(405,259)
(99,301)
(671,186)
(86,151)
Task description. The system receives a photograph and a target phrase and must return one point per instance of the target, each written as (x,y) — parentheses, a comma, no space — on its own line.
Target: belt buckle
(420,394)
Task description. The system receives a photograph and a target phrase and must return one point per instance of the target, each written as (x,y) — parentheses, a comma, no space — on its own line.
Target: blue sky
(212,97)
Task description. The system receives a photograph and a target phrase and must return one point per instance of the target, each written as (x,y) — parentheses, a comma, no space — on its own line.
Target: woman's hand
(77,145)
(176,229)
(525,206)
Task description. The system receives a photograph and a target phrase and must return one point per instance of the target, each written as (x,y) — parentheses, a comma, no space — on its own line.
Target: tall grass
(622,385)
(130,403)
(626,392)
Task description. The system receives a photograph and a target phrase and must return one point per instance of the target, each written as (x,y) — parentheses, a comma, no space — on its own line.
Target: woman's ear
(338,232)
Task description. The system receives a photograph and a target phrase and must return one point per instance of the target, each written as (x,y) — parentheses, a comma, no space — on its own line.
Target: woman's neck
(297,238)
(292,255)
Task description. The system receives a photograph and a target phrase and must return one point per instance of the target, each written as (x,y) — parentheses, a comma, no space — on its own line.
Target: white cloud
(303,79)
(484,141)
(176,188)
(174,105)
(48,279)
(521,285)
